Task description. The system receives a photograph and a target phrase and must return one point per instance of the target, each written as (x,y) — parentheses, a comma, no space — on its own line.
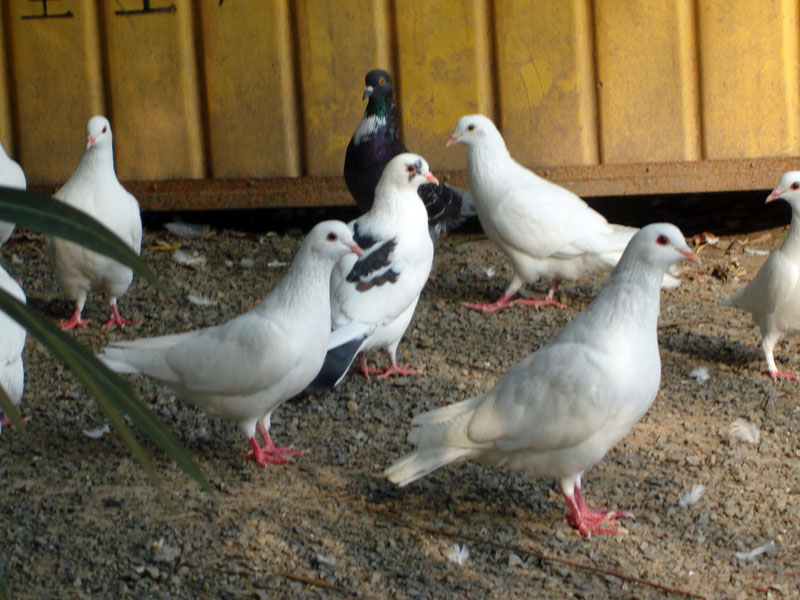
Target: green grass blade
(109,390)
(42,213)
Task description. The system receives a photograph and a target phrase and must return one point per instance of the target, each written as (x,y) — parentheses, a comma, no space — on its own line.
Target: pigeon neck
(485,155)
(393,205)
(98,162)
(381,107)
(791,244)
(632,292)
(306,283)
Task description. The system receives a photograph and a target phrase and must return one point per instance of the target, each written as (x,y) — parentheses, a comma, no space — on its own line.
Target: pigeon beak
(776,193)
(367,91)
(90,140)
(356,249)
(690,256)
(430,177)
(453,139)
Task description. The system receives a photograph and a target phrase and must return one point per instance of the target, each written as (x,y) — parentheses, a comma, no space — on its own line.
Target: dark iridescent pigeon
(376,141)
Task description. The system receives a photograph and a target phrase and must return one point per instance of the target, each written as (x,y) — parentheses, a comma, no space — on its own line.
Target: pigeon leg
(75,321)
(116,318)
(588,520)
(491,307)
(365,368)
(270,453)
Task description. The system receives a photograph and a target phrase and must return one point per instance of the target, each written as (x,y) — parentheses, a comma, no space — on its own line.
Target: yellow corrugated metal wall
(705,93)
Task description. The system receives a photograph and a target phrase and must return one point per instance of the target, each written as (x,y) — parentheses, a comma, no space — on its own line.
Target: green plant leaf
(42,213)
(109,390)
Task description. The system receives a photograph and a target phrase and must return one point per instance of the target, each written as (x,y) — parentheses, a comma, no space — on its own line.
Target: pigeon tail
(344,345)
(447,207)
(421,462)
(337,363)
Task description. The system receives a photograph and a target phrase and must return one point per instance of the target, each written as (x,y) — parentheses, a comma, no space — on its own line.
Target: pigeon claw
(116,319)
(776,375)
(593,520)
(537,303)
(6,422)
(270,454)
(74,322)
(490,307)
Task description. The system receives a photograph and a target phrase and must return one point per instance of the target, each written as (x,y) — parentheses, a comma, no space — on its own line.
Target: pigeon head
(98,133)
(406,170)
(788,188)
(661,245)
(472,130)
(378,85)
(334,239)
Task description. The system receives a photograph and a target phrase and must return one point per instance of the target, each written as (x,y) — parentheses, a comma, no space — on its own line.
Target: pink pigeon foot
(116,319)
(75,321)
(6,422)
(548,300)
(537,303)
(588,520)
(392,369)
(490,307)
(775,375)
(270,453)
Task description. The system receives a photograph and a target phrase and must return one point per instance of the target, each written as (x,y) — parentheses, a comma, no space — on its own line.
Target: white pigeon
(545,230)
(773,296)
(557,412)
(12,176)
(373,298)
(245,368)
(12,341)
(94,188)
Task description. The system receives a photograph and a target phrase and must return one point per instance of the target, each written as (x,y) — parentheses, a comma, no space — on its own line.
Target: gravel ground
(78,518)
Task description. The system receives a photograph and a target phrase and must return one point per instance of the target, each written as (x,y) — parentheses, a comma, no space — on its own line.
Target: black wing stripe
(377,260)
(363,240)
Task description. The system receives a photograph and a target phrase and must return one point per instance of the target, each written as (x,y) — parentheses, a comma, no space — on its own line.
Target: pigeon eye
(411,169)
(332,237)
(382,80)
(795,185)
(662,240)
(105,128)
(470,127)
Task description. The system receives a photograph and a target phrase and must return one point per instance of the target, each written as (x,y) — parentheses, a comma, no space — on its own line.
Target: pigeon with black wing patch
(374,297)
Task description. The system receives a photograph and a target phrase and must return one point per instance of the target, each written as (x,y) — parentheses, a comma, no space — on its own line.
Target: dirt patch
(79,519)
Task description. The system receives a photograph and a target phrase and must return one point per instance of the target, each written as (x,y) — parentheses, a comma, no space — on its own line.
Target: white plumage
(12,176)
(12,341)
(245,368)
(95,189)
(773,296)
(545,230)
(558,411)
(373,298)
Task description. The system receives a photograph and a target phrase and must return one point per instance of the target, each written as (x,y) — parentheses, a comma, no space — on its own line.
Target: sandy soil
(78,518)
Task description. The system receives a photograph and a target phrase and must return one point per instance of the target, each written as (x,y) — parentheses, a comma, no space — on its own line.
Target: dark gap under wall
(720,213)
